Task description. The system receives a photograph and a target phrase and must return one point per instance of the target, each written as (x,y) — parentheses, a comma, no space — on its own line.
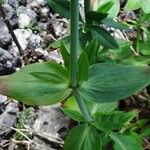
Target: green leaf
(123,142)
(96,16)
(105,7)
(104,37)
(2,2)
(145,5)
(145,131)
(62,7)
(83,137)
(91,51)
(37,89)
(118,25)
(100,108)
(70,108)
(132,5)
(65,55)
(110,82)
(113,121)
(83,67)
(112,10)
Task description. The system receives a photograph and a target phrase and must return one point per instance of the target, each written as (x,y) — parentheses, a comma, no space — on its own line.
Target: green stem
(82,106)
(138,32)
(74,41)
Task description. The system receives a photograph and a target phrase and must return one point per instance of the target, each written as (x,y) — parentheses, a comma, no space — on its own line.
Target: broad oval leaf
(145,6)
(104,37)
(132,5)
(123,142)
(110,82)
(37,89)
(83,137)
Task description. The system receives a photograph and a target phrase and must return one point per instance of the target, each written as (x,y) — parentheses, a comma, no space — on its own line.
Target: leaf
(96,16)
(104,37)
(82,137)
(145,5)
(91,51)
(113,121)
(83,67)
(123,142)
(112,10)
(2,2)
(145,131)
(132,5)
(62,7)
(65,55)
(100,108)
(105,7)
(35,90)
(110,82)
(70,108)
(118,25)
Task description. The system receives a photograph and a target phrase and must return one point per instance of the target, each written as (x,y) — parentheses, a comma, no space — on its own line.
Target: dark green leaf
(65,55)
(123,142)
(113,121)
(104,37)
(83,67)
(96,16)
(91,50)
(83,137)
(145,131)
(30,90)
(60,6)
(2,2)
(110,82)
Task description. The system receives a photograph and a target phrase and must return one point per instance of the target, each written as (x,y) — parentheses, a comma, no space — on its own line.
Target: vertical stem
(73,58)
(82,106)
(74,41)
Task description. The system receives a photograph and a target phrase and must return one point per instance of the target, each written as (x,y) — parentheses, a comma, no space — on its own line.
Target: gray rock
(13,3)
(3,99)
(25,16)
(11,15)
(8,119)
(51,121)
(5,38)
(8,63)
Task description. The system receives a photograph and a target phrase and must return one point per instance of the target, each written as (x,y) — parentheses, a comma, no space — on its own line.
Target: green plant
(94,88)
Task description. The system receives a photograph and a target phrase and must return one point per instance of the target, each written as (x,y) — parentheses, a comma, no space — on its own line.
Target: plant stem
(138,32)
(73,58)
(74,42)
(82,106)
(7,22)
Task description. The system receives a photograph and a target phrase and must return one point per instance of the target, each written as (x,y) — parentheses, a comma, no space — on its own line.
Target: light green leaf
(70,108)
(123,142)
(145,131)
(33,89)
(113,121)
(110,82)
(83,137)
(145,5)
(83,67)
(104,37)
(132,5)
